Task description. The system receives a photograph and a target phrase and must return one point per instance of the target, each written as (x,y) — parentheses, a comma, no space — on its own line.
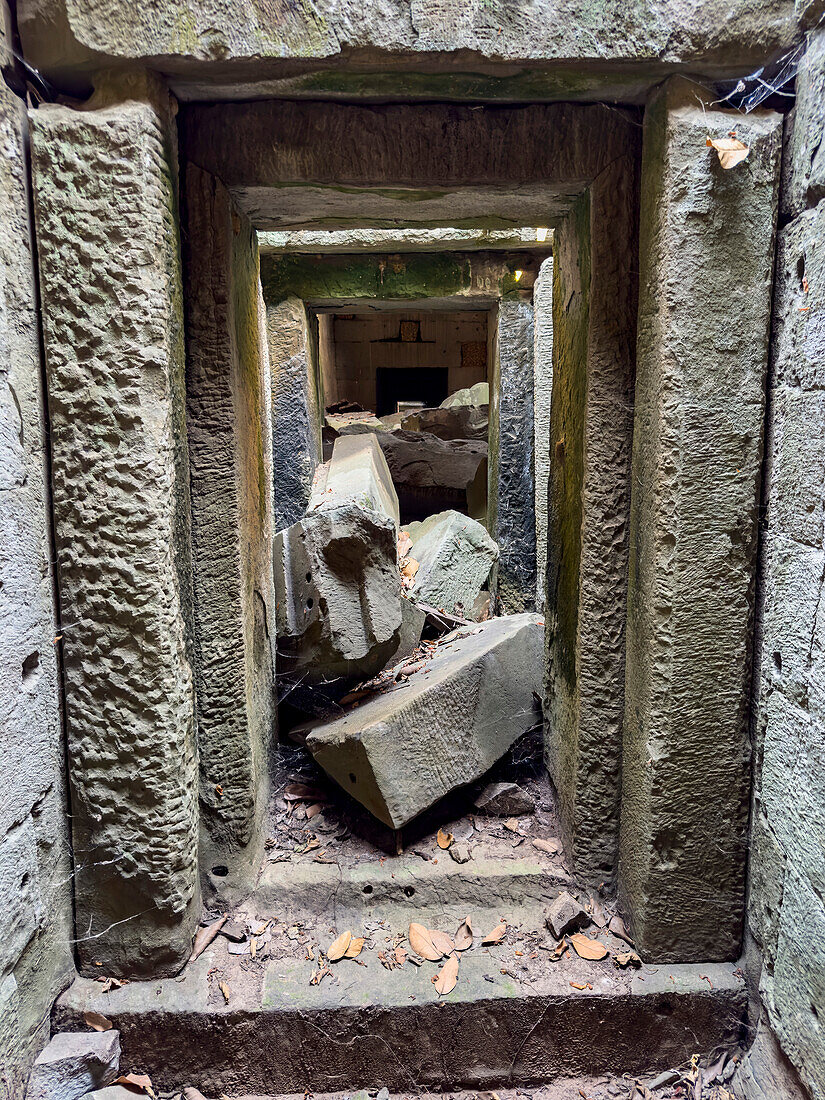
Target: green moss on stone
(417,275)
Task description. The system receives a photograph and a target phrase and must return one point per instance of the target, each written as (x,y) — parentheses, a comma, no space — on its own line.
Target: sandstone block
(505,800)
(565,915)
(479,394)
(456,422)
(707,240)
(455,557)
(542,396)
(432,475)
(356,474)
(74,1063)
(398,753)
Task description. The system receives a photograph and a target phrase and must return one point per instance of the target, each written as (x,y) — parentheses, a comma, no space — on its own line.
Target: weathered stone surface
(542,394)
(412,624)
(113,332)
(434,475)
(594,321)
(438,165)
(765,1073)
(706,256)
(565,915)
(230,478)
(803,182)
(35,870)
(400,752)
(111,1092)
(798,347)
(504,800)
(458,422)
(337,586)
(511,489)
(74,1063)
(479,394)
(401,240)
(411,51)
(358,474)
(296,409)
(455,558)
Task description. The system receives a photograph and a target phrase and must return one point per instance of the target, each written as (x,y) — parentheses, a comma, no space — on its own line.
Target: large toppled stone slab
(455,557)
(401,751)
(337,585)
(455,422)
(73,1064)
(431,474)
(479,394)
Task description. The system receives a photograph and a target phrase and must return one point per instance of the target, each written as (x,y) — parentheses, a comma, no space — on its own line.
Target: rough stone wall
(230,470)
(594,314)
(35,871)
(510,489)
(106,217)
(542,391)
(706,254)
(296,408)
(786,913)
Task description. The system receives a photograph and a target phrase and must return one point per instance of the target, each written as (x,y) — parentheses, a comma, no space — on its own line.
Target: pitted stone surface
(706,256)
(230,473)
(356,474)
(511,489)
(35,870)
(398,753)
(455,558)
(111,290)
(431,473)
(542,393)
(296,424)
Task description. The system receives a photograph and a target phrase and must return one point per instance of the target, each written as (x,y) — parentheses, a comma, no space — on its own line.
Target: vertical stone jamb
(107,234)
(35,869)
(594,314)
(297,406)
(542,391)
(511,490)
(706,253)
(231,532)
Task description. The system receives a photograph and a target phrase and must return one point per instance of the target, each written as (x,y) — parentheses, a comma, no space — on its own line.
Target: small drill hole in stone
(220,871)
(310,603)
(30,666)
(352,778)
(777,661)
(368,889)
(309,576)
(409,891)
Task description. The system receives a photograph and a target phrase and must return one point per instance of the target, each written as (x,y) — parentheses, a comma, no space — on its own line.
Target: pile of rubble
(387,636)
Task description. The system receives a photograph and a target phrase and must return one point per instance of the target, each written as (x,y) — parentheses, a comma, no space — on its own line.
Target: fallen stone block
(457,422)
(432,474)
(504,800)
(337,588)
(565,915)
(399,752)
(479,394)
(74,1063)
(455,557)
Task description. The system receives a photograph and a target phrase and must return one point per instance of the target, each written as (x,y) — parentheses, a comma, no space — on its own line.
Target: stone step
(240,1026)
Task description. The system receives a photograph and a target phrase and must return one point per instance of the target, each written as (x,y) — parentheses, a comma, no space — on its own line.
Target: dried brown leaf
(552,847)
(444,839)
(586,948)
(400,956)
(204,936)
(447,976)
(617,926)
(97,1021)
(496,936)
(441,941)
(303,792)
(730,151)
(422,944)
(464,935)
(354,949)
(409,567)
(581,985)
(339,947)
(140,1081)
(224,988)
(627,958)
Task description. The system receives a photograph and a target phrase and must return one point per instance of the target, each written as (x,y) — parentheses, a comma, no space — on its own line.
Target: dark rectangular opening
(393,384)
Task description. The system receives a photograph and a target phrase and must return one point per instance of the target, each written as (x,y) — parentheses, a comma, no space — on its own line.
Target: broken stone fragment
(504,800)
(399,752)
(432,474)
(479,394)
(460,852)
(457,422)
(73,1064)
(455,557)
(565,915)
(112,1092)
(338,592)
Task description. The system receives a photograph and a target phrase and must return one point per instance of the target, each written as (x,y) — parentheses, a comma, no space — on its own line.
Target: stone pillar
(230,464)
(542,391)
(296,408)
(706,252)
(786,912)
(106,217)
(35,869)
(594,314)
(510,495)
